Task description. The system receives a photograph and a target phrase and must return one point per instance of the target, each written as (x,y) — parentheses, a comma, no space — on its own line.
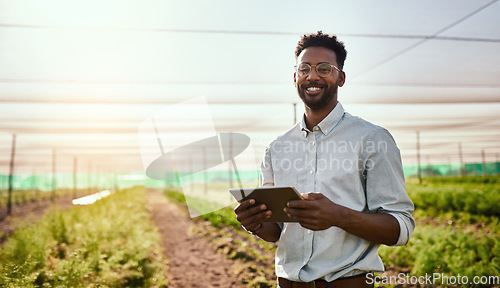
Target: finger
(255,220)
(244,205)
(300,204)
(254,212)
(313,195)
(296,213)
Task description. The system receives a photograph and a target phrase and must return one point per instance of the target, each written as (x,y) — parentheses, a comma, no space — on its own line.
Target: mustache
(313,84)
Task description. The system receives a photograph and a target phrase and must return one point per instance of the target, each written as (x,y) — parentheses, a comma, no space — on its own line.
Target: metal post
(419,172)
(11,175)
(484,162)
(496,164)
(205,172)
(88,176)
(75,164)
(231,157)
(37,191)
(54,182)
(460,155)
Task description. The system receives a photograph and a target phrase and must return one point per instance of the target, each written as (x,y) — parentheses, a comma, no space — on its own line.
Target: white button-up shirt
(355,164)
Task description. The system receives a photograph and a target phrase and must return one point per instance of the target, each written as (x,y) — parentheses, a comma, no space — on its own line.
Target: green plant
(111,243)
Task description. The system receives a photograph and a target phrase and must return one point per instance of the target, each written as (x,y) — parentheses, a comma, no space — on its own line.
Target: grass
(112,243)
(472,198)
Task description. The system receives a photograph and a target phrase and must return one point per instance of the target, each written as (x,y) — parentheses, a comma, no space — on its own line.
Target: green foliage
(176,195)
(466,179)
(469,245)
(219,218)
(111,243)
(478,199)
(448,251)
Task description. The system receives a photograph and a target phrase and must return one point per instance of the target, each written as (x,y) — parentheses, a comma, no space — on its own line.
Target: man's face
(315,91)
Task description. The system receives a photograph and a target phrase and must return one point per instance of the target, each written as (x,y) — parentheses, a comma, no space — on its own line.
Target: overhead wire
(432,36)
(247,32)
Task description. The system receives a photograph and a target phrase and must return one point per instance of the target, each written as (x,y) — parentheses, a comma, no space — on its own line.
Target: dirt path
(28,213)
(193,261)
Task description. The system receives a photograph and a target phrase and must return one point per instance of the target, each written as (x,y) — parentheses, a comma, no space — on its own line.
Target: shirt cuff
(406,227)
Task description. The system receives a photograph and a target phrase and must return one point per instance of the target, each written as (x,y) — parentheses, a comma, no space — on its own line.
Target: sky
(79,77)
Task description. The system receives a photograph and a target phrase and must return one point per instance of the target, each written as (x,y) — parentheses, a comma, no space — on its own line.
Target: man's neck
(314,117)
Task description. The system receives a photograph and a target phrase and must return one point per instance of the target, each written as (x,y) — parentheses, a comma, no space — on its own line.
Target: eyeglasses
(323,69)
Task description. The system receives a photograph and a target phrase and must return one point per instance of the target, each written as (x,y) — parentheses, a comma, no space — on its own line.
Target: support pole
(75,164)
(460,155)
(11,175)
(231,157)
(484,162)
(419,172)
(88,176)
(54,182)
(496,164)
(205,172)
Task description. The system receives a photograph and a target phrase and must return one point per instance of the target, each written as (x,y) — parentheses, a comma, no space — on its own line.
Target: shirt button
(305,262)
(316,128)
(326,131)
(314,143)
(309,231)
(311,171)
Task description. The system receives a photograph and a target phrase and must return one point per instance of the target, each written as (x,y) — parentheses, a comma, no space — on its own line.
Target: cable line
(433,36)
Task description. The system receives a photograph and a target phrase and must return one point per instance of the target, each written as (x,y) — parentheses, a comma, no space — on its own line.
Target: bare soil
(193,260)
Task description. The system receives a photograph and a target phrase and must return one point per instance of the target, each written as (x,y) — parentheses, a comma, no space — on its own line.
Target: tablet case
(275,199)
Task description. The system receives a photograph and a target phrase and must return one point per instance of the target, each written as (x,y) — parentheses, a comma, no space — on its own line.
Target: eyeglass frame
(311,66)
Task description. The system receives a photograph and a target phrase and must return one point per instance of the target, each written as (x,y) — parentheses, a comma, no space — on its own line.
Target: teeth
(312,89)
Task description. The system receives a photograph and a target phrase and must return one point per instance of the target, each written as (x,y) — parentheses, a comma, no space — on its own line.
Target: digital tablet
(275,199)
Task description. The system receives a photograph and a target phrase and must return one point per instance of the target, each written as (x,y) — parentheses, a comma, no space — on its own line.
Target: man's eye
(323,70)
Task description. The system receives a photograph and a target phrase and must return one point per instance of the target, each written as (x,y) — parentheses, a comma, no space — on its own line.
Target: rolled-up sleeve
(266,169)
(385,184)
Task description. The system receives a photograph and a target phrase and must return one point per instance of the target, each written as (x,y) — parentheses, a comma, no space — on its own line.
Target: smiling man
(350,175)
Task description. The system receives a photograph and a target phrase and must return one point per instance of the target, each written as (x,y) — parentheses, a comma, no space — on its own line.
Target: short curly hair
(323,40)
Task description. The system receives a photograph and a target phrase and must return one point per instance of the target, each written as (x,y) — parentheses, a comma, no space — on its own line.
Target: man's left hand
(315,212)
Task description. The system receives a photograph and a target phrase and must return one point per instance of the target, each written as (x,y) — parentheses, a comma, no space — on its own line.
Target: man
(351,177)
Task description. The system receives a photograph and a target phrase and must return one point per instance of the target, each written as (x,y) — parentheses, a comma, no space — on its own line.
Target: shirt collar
(328,123)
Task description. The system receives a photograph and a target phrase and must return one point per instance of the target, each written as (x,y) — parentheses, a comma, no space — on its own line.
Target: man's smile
(313,89)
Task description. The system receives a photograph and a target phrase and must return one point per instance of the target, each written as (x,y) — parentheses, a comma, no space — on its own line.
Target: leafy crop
(478,199)
(448,251)
(111,243)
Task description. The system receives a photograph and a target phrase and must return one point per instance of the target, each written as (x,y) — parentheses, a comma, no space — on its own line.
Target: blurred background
(77,79)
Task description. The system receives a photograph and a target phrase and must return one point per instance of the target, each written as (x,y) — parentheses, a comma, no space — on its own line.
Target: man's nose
(313,75)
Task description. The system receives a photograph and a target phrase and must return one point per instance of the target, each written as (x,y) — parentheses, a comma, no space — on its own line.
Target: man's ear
(341,79)
(294,78)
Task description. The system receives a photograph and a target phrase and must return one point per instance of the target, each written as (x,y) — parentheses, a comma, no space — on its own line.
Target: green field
(457,233)
(112,243)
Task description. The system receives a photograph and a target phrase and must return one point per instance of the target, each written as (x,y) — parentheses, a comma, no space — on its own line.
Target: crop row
(453,250)
(112,243)
(477,199)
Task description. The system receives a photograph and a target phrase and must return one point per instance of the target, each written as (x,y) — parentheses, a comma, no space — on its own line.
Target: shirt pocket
(288,171)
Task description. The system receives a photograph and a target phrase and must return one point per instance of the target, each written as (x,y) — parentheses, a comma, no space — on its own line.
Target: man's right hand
(251,216)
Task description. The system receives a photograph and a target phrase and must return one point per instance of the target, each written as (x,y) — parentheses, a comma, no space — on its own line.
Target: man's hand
(315,212)
(251,216)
